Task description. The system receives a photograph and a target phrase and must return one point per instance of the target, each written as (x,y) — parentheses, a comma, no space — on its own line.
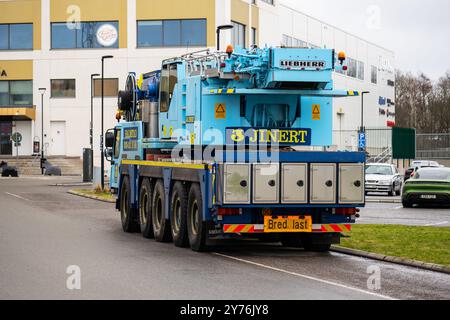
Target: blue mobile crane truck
(234,144)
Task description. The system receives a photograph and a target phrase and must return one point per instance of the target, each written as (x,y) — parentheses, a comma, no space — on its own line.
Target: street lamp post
(362,129)
(219,29)
(91,128)
(42,92)
(102,152)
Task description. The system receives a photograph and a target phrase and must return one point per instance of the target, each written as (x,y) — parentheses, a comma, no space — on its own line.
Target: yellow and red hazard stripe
(326,228)
(259,228)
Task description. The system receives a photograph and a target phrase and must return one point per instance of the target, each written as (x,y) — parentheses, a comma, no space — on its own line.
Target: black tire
(291,240)
(393,193)
(128,215)
(311,246)
(407,204)
(145,209)
(399,192)
(197,228)
(161,225)
(178,215)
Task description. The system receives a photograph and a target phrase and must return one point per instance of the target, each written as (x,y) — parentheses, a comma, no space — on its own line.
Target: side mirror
(109,139)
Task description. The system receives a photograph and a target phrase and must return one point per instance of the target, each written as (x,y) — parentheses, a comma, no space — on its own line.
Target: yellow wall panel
(180,9)
(92,10)
(23,11)
(16,70)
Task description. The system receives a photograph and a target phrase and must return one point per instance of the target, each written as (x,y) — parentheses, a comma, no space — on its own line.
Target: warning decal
(316,111)
(220,111)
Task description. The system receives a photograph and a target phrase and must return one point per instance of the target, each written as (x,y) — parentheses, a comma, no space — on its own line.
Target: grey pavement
(43,230)
(394,213)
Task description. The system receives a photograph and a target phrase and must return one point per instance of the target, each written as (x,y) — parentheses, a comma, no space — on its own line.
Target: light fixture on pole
(91,127)
(42,92)
(103,130)
(219,29)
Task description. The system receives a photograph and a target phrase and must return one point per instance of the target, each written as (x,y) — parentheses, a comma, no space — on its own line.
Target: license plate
(428,196)
(287,224)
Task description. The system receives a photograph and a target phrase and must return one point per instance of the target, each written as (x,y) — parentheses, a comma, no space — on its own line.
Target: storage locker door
(237,184)
(295,183)
(266,183)
(323,183)
(351,183)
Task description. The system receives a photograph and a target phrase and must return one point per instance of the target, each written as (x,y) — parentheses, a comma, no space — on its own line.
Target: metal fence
(378,141)
(433,146)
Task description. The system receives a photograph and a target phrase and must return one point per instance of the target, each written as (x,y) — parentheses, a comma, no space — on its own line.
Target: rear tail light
(229,212)
(346,211)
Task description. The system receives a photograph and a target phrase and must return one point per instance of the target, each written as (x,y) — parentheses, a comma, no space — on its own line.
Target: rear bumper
(378,188)
(259,228)
(416,198)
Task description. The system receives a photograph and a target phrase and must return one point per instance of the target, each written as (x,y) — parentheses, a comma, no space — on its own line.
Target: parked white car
(383,178)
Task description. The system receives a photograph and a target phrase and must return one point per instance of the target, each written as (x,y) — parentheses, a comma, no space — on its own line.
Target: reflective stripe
(166,164)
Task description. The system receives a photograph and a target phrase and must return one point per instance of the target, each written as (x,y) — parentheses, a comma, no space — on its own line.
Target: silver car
(383,178)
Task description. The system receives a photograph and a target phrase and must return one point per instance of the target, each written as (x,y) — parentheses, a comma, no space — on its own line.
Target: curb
(75,193)
(382,201)
(397,260)
(81,184)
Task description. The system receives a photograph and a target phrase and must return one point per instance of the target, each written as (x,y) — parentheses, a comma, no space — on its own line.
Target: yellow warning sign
(316,111)
(220,111)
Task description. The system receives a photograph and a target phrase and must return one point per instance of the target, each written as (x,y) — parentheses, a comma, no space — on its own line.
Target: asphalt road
(44,230)
(394,213)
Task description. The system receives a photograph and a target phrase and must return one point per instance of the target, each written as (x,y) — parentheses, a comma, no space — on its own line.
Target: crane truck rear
(219,145)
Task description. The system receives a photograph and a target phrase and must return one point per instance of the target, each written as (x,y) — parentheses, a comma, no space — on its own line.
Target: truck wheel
(128,214)
(145,209)
(311,245)
(197,228)
(161,226)
(291,240)
(178,213)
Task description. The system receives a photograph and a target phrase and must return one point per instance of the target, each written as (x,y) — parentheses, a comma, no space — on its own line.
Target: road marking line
(17,196)
(304,276)
(436,224)
(398,208)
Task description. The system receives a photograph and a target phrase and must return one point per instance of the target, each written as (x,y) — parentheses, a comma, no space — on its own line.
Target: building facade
(58,45)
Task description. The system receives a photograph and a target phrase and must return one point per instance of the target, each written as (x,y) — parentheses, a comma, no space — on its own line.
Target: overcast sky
(417,31)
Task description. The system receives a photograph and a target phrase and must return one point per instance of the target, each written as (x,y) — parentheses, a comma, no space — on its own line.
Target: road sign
(362,140)
(17,137)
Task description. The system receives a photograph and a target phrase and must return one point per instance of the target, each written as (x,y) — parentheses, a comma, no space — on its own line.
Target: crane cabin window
(169,79)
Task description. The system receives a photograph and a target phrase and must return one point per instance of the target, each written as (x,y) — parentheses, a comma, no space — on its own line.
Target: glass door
(5,138)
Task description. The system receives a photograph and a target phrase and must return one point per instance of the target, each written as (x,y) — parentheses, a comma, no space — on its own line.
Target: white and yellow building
(54,44)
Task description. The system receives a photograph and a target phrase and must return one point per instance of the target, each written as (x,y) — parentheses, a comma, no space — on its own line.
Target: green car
(429,186)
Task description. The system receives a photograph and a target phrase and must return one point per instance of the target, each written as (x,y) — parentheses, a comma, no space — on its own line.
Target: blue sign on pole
(362,140)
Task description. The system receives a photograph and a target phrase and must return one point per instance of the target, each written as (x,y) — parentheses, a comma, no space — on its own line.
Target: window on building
(83,36)
(254,37)
(361,70)
(16,36)
(16,93)
(111,87)
(238,34)
(62,88)
(352,68)
(374,74)
(171,33)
